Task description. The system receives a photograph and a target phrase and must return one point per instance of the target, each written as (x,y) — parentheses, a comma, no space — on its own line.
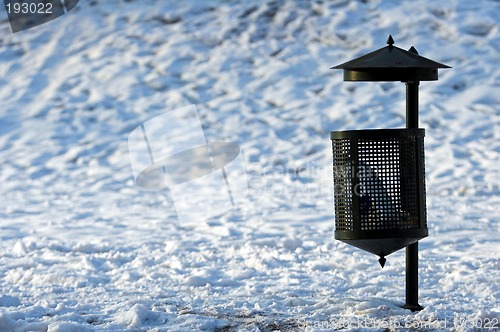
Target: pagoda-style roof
(391,63)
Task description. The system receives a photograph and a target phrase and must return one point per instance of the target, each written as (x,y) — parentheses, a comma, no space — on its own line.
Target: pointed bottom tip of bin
(382,261)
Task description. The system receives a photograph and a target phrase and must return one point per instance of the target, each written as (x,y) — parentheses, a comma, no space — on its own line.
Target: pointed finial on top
(390,41)
(413,50)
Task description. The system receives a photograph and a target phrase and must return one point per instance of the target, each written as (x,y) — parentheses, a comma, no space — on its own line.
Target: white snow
(84,249)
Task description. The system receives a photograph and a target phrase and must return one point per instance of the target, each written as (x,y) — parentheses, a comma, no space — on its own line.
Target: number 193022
(29,8)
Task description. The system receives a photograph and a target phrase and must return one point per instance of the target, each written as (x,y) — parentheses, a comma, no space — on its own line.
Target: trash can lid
(391,63)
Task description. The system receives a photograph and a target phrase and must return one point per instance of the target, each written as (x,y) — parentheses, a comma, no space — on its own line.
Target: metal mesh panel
(423,197)
(387,184)
(377,182)
(342,172)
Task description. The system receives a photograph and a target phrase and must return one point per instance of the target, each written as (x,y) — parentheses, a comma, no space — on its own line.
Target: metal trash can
(380,191)
(379,188)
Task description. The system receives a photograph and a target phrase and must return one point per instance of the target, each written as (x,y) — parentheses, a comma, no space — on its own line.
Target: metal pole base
(413,307)
(412,278)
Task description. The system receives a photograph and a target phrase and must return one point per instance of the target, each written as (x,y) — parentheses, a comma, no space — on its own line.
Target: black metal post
(412,104)
(412,249)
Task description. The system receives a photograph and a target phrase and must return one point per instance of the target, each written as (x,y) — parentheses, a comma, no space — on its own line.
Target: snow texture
(84,249)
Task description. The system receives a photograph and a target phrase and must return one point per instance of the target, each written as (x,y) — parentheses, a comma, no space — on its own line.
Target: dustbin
(379,174)
(379,188)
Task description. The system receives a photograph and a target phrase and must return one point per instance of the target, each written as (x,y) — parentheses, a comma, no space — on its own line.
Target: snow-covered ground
(84,249)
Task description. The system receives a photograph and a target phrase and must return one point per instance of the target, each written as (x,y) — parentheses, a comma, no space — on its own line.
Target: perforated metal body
(379,188)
